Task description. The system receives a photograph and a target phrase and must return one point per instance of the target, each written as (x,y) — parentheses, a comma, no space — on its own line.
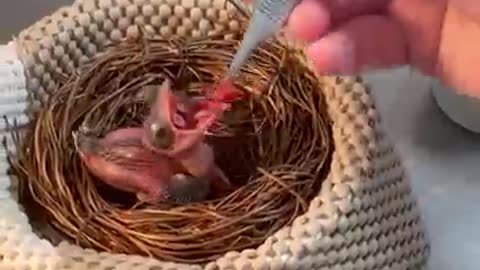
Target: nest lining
(275,145)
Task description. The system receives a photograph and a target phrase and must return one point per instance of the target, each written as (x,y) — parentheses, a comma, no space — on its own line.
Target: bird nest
(274,146)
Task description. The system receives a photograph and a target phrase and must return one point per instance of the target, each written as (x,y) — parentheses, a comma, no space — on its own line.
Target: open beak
(175,125)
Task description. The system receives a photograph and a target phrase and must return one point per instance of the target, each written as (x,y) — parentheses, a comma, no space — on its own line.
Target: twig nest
(274,146)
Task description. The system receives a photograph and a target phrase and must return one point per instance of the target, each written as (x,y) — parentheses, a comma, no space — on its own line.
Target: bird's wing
(133,157)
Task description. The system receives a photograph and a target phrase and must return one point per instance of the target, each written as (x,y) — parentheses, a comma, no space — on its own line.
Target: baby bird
(167,159)
(121,161)
(176,128)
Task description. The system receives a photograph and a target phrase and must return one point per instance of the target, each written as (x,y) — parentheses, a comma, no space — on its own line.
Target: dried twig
(285,132)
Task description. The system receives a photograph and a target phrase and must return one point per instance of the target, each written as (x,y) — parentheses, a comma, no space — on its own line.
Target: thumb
(365,42)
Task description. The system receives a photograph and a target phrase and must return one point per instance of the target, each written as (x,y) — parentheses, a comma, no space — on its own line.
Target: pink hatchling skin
(166,159)
(187,124)
(120,160)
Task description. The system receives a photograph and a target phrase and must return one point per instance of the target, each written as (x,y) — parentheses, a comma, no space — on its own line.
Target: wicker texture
(365,216)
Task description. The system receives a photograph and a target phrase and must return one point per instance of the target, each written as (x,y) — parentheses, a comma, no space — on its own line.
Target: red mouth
(188,115)
(185,120)
(188,119)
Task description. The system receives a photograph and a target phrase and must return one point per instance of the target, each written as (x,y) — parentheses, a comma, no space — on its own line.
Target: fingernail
(293,41)
(333,56)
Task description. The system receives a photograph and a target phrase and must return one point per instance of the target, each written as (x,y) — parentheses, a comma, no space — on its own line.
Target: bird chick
(176,127)
(121,161)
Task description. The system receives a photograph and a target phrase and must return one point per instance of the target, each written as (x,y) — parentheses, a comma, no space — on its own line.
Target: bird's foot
(152,198)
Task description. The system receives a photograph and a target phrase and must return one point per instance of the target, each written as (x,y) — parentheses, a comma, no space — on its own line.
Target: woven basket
(364,217)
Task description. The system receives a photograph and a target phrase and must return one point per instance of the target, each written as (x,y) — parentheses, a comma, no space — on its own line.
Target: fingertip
(332,54)
(308,21)
(364,43)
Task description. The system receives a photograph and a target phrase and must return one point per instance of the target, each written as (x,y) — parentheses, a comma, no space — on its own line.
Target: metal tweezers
(267,19)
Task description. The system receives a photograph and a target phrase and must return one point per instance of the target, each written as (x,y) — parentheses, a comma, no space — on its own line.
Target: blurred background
(16,15)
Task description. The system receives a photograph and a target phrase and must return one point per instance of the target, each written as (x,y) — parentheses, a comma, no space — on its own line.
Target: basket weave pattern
(365,216)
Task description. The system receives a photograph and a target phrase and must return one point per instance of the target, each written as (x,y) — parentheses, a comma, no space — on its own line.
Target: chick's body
(200,162)
(166,159)
(120,160)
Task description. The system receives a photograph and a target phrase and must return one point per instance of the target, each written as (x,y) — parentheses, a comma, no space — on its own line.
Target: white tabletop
(443,160)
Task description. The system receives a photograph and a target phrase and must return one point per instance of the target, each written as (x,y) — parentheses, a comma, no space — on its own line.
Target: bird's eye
(162,136)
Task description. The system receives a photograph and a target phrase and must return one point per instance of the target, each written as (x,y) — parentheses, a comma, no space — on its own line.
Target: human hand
(439,37)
